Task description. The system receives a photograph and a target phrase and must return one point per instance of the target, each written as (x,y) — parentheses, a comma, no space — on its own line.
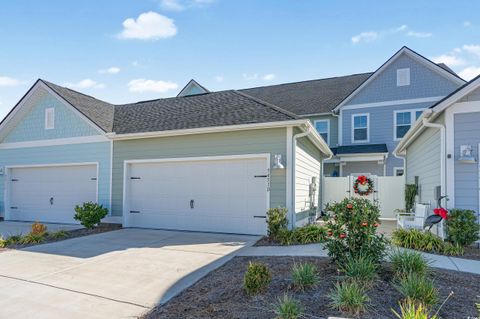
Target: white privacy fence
(388,192)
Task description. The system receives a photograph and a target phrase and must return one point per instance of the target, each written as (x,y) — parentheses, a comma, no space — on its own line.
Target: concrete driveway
(119,274)
(9,228)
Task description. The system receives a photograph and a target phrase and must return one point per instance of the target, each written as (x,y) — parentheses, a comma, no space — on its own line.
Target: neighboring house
(206,161)
(442,150)
(363,116)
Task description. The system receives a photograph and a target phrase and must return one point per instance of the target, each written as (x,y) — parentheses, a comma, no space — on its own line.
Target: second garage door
(218,195)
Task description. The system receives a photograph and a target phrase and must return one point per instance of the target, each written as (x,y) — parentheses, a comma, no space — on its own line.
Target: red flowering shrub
(352,230)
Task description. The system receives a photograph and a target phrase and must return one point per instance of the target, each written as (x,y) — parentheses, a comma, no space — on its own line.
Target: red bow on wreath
(442,212)
(362,179)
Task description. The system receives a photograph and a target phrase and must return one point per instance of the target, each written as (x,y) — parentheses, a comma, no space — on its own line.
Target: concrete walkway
(317,250)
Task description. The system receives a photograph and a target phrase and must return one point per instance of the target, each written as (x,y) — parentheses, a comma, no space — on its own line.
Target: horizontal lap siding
(76,153)
(307,165)
(271,141)
(423,160)
(467,132)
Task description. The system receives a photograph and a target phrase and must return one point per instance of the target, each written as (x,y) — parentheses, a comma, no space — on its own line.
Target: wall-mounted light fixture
(277,162)
(466,155)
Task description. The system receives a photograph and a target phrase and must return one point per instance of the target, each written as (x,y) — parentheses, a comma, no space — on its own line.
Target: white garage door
(224,195)
(49,194)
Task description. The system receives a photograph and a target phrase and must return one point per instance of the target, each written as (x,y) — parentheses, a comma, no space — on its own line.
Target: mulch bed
(471,253)
(267,241)
(101,228)
(220,294)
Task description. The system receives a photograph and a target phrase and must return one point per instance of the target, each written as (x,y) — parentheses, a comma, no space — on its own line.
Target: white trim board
(127,164)
(55,142)
(393,103)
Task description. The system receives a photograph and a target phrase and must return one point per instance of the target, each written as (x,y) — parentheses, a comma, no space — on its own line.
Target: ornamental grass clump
(349,297)
(419,289)
(408,262)
(257,278)
(304,276)
(360,269)
(288,308)
(413,310)
(352,231)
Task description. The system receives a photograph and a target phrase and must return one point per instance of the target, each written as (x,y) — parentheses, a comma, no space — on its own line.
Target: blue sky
(130,50)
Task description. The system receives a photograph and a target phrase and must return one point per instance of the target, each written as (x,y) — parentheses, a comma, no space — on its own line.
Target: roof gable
(429,80)
(192,88)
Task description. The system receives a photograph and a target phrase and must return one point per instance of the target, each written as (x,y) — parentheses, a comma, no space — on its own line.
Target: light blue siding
(32,126)
(75,153)
(467,132)
(333,120)
(381,128)
(424,82)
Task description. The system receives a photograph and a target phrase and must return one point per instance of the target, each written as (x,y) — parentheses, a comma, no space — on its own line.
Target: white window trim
(328,128)
(395,169)
(412,121)
(407,83)
(353,128)
(48,111)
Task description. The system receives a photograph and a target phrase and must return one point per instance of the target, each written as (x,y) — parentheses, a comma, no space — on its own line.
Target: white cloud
(219,78)
(111,70)
(419,34)
(143,85)
(449,59)
(85,84)
(469,72)
(8,81)
(180,5)
(250,77)
(472,48)
(268,77)
(467,24)
(365,37)
(148,26)
(401,28)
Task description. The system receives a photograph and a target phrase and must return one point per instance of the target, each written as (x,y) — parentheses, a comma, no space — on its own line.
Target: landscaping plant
(462,227)
(418,288)
(32,238)
(58,234)
(413,310)
(257,278)
(360,269)
(349,297)
(406,262)
(352,230)
(410,193)
(288,308)
(424,241)
(307,234)
(38,228)
(90,214)
(304,276)
(276,221)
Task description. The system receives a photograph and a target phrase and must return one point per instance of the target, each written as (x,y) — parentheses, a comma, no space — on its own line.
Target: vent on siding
(49,118)
(403,77)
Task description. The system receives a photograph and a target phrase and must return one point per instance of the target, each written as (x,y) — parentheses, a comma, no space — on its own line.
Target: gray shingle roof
(360,149)
(309,97)
(99,112)
(196,111)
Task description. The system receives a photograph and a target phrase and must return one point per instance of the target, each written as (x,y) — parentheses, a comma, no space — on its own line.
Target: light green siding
(271,141)
(333,127)
(423,160)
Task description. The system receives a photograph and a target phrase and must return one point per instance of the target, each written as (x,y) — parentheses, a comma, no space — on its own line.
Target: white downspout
(443,181)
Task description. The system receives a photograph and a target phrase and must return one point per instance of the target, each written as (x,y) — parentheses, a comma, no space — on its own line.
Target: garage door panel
(226,195)
(32,188)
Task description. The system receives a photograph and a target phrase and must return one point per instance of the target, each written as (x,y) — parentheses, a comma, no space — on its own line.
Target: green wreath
(363,181)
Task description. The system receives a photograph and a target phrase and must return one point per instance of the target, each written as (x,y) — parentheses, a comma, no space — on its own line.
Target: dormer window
(403,77)
(49,118)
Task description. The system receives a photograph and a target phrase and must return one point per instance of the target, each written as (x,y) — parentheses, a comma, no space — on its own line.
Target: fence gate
(388,192)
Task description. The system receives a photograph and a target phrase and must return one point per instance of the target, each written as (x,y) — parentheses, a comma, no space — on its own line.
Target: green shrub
(277,221)
(360,269)
(419,289)
(462,227)
(349,297)
(288,308)
(353,230)
(408,262)
(416,239)
(90,214)
(453,249)
(61,234)
(13,240)
(257,278)
(304,276)
(32,238)
(410,193)
(307,234)
(412,310)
